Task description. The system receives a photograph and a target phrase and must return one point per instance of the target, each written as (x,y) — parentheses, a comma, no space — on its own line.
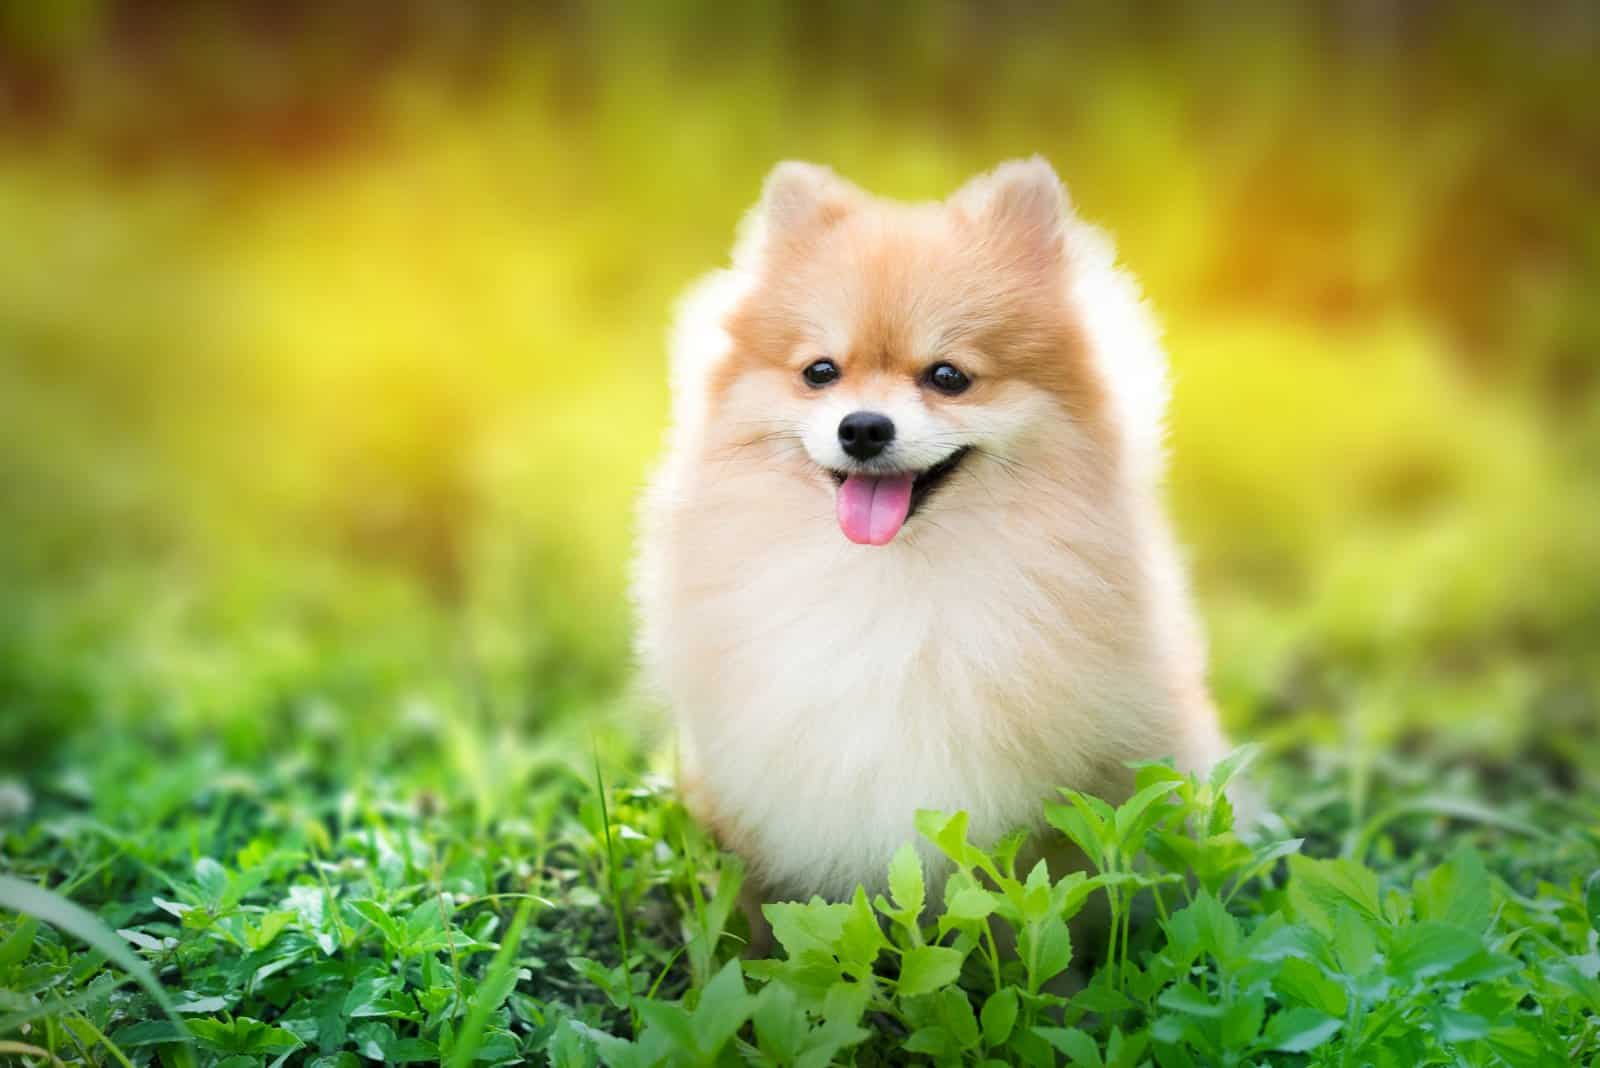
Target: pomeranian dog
(906,549)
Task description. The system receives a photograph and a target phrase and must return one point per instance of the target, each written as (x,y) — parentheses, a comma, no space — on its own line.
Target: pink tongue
(872,510)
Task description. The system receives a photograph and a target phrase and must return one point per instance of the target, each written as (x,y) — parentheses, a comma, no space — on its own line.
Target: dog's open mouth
(873,508)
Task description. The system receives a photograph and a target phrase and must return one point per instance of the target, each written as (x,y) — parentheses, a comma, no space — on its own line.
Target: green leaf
(1354,941)
(1241,1022)
(1304,982)
(673,1021)
(934,1041)
(29,900)
(1299,1031)
(814,926)
(1189,1000)
(203,1005)
(147,1033)
(956,1016)
(780,1024)
(970,904)
(1591,900)
(1216,930)
(426,924)
(212,880)
(1046,949)
(949,833)
(860,937)
(243,1035)
(1077,1045)
(267,928)
(1124,1051)
(19,941)
(924,969)
(1318,889)
(375,914)
(1082,825)
(1456,892)
(724,1007)
(1100,995)
(1225,769)
(1426,949)
(614,1052)
(367,997)
(1517,1047)
(1130,817)
(905,881)
(999,1015)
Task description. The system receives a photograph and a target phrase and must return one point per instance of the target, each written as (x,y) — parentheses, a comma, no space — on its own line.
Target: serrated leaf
(1320,888)
(243,1035)
(1077,1045)
(814,926)
(860,937)
(1046,950)
(906,882)
(956,1016)
(1304,982)
(1426,949)
(970,904)
(924,969)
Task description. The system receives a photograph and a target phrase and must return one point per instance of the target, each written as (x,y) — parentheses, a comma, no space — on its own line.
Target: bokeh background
(331,346)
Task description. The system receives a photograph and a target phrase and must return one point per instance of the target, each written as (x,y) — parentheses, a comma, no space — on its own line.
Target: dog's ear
(801,197)
(1020,201)
(798,201)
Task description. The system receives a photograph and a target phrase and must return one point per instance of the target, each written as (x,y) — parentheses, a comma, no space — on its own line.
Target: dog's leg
(751,898)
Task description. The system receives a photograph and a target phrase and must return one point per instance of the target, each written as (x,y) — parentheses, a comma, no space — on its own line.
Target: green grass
(288,913)
(315,696)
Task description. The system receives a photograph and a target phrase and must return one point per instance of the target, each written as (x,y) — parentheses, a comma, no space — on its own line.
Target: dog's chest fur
(825,691)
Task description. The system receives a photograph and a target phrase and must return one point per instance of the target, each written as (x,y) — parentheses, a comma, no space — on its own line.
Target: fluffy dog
(906,549)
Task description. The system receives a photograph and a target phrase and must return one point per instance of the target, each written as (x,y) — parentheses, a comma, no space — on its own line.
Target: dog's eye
(948,378)
(820,373)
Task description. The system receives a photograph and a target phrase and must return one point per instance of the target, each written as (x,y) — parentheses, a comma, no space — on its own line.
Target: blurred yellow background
(332,336)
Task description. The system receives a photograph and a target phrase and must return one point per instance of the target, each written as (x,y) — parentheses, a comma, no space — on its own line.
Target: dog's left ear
(1020,201)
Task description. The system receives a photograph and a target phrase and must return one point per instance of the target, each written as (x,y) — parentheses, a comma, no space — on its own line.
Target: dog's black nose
(865,434)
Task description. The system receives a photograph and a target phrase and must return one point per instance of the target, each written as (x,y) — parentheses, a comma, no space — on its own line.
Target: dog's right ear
(798,200)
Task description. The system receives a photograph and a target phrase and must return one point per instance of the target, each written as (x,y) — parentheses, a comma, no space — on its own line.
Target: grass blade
(497,984)
(30,900)
(616,893)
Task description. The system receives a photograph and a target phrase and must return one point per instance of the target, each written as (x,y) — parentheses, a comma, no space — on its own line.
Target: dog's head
(899,350)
